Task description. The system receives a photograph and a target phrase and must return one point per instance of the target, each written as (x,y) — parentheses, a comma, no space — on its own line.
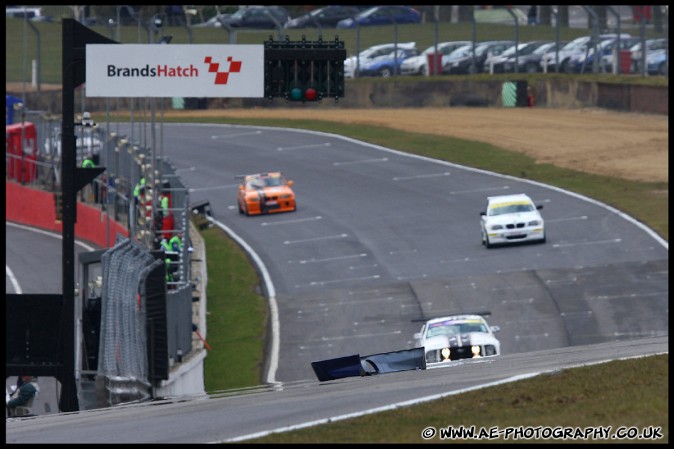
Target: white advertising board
(163,70)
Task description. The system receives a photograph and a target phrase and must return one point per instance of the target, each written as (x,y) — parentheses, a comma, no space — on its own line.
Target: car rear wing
(481,313)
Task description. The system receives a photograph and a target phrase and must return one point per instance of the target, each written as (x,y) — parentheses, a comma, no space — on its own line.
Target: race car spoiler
(355,365)
(482,313)
(258,174)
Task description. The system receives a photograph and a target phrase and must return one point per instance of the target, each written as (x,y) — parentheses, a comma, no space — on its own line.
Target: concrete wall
(565,92)
(34,207)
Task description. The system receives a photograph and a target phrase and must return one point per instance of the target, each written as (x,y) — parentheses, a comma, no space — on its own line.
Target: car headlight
(286,196)
(496,227)
(534,223)
(445,353)
(475,349)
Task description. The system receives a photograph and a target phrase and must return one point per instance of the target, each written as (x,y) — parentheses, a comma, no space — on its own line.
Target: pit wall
(36,208)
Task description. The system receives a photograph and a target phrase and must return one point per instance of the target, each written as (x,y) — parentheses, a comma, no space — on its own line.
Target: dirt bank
(630,146)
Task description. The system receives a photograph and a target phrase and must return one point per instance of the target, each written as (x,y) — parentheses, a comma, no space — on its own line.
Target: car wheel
(531,68)
(566,66)
(485,241)
(240,209)
(385,72)
(424,70)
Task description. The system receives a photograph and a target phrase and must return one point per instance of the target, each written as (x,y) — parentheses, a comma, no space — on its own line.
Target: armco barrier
(25,205)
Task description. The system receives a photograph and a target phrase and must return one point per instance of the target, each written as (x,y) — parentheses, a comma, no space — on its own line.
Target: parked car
(353,64)
(505,62)
(657,63)
(265,193)
(511,219)
(532,63)
(33,13)
(584,61)
(651,45)
(457,337)
(266,17)
(608,52)
(387,65)
(576,46)
(556,61)
(382,15)
(457,54)
(418,65)
(462,63)
(326,17)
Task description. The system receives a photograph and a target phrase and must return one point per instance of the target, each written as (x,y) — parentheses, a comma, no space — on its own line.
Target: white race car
(457,337)
(511,219)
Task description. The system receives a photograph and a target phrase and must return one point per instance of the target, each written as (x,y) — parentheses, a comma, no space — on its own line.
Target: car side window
(399,12)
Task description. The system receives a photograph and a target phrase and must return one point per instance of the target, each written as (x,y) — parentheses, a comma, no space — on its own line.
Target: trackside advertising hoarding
(163,70)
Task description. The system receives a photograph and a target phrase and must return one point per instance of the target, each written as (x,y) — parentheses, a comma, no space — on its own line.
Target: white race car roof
(509,198)
(455,318)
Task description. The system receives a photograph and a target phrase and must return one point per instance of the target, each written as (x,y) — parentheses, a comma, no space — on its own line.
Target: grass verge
(631,394)
(236,316)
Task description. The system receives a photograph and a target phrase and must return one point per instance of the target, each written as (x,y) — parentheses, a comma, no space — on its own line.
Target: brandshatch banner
(163,70)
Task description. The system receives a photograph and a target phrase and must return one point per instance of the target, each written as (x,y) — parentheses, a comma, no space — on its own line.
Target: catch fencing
(131,358)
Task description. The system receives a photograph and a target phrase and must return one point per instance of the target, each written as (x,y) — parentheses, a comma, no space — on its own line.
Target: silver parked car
(418,65)
(369,54)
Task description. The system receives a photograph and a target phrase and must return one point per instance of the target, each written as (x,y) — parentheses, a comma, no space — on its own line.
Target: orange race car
(265,193)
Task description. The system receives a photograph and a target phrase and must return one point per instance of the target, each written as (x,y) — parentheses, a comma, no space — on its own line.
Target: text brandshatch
(149,72)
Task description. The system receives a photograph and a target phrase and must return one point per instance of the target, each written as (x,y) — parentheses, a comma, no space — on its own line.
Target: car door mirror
(291,183)
(495,328)
(417,336)
(539,207)
(483,213)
